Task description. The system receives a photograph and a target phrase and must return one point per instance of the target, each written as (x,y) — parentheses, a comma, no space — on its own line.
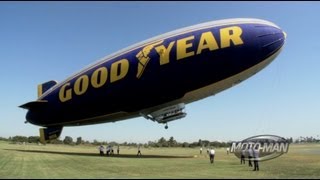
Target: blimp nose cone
(271,39)
(285,34)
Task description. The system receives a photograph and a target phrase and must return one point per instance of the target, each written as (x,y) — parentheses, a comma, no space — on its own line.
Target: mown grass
(61,161)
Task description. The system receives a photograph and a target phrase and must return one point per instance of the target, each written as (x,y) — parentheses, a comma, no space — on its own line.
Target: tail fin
(42,88)
(34,104)
(49,133)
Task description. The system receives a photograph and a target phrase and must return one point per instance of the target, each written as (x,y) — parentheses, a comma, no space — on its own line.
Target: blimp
(156,78)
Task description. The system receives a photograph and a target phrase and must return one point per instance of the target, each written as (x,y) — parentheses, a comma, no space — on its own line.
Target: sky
(41,41)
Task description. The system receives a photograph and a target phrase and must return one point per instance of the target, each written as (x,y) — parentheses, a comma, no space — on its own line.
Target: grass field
(61,161)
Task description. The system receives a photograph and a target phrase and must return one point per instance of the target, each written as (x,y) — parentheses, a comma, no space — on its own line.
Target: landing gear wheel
(166,127)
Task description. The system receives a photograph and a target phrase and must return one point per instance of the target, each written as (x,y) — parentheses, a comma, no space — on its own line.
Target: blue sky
(41,41)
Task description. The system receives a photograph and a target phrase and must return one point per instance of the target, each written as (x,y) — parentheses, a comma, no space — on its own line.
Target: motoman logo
(261,148)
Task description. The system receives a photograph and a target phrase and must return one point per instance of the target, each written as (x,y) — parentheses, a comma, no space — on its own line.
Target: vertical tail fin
(42,88)
(49,133)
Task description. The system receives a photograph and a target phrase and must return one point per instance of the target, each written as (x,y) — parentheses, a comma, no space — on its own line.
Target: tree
(205,142)
(19,139)
(68,140)
(172,142)
(112,143)
(185,144)
(3,139)
(33,139)
(96,142)
(162,142)
(79,141)
(152,144)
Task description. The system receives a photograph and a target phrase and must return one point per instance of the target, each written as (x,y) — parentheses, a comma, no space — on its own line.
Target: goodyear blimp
(157,77)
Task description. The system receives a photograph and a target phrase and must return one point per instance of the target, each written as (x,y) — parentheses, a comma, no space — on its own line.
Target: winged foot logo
(143,57)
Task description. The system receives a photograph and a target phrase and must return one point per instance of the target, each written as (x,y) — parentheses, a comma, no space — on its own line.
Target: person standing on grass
(101,149)
(111,150)
(256,159)
(108,150)
(118,150)
(250,156)
(242,159)
(139,152)
(212,153)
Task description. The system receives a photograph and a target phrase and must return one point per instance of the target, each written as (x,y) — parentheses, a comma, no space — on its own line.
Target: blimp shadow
(98,155)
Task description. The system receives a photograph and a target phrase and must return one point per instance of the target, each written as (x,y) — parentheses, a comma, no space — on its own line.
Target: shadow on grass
(98,155)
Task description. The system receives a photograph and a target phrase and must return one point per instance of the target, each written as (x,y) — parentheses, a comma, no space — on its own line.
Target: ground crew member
(242,159)
(250,156)
(118,150)
(139,152)
(212,153)
(101,149)
(256,159)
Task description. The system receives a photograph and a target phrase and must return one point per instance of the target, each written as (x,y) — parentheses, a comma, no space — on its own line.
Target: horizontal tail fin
(42,88)
(34,104)
(49,133)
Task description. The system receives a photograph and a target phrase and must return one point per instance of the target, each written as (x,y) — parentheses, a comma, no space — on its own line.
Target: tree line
(162,142)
